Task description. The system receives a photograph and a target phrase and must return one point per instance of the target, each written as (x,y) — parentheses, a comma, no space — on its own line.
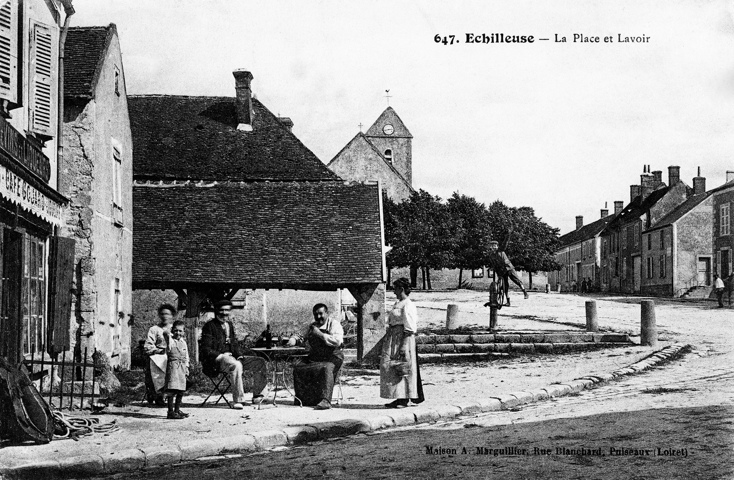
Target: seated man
(220,352)
(502,266)
(314,379)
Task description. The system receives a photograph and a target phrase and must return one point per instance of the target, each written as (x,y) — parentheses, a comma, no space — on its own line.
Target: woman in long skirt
(399,375)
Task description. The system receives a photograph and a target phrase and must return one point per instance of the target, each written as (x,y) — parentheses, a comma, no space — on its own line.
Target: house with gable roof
(97,178)
(384,153)
(228,201)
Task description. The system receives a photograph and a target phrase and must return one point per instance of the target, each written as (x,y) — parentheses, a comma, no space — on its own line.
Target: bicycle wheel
(501,294)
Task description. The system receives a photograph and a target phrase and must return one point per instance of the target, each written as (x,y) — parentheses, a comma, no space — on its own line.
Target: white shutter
(42,79)
(9,50)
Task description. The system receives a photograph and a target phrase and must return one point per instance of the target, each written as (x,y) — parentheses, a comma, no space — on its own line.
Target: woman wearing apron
(399,375)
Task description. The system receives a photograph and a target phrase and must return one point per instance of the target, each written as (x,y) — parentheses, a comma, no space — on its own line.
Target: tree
(528,241)
(419,231)
(472,231)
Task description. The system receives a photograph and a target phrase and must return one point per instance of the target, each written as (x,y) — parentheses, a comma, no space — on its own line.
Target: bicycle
(497,298)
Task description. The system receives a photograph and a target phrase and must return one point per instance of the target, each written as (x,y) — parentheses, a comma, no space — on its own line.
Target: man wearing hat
(502,266)
(220,352)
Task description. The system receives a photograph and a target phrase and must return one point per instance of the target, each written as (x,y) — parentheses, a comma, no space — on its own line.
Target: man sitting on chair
(314,379)
(220,352)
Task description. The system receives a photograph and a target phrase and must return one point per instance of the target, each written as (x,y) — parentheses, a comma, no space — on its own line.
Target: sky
(564,128)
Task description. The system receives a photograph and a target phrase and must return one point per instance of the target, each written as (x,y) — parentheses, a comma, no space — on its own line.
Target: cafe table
(279,358)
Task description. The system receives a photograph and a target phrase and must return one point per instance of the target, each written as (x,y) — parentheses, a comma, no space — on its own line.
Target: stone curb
(211,449)
(451,352)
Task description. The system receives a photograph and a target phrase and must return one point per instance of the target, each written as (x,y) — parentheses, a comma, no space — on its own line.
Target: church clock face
(388,129)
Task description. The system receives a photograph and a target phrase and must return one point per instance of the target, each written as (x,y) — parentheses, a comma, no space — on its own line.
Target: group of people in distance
(314,378)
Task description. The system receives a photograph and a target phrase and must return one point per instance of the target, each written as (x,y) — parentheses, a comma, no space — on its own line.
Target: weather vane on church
(388,96)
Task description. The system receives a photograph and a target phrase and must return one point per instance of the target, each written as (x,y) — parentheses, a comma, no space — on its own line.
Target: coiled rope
(67,426)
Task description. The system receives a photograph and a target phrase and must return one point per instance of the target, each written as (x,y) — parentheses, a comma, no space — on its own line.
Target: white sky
(562,128)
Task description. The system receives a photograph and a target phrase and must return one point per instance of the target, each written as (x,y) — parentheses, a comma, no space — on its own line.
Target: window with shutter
(42,79)
(9,50)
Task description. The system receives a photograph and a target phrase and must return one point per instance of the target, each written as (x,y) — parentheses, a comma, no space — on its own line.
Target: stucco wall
(359,162)
(104,248)
(401,154)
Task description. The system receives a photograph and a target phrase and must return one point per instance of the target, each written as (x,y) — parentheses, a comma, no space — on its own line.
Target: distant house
(97,178)
(723,226)
(384,153)
(621,249)
(580,254)
(676,251)
(228,203)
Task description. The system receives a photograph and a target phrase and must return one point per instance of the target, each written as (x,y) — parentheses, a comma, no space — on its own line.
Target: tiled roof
(257,235)
(84,51)
(586,232)
(678,212)
(638,207)
(183,137)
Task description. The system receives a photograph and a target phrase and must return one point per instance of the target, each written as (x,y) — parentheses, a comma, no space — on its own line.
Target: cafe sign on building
(20,192)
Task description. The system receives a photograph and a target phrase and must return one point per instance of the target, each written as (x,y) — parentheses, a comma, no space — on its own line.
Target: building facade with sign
(36,274)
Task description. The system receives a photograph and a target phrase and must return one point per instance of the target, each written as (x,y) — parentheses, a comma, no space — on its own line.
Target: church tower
(384,154)
(392,139)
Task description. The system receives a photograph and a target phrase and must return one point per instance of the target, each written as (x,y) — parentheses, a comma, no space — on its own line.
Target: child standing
(176,371)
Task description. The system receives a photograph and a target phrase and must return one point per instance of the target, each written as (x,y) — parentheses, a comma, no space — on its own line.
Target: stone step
(486,338)
(503,349)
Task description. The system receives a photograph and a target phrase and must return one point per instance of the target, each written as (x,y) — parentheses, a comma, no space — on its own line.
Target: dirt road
(672,422)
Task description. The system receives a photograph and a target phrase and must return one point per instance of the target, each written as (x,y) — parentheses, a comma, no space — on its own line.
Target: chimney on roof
(604,212)
(657,178)
(729,176)
(618,206)
(699,183)
(579,221)
(646,180)
(673,175)
(635,191)
(242,80)
(286,122)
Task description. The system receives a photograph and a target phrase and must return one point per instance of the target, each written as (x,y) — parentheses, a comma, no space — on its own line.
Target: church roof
(388,117)
(305,235)
(196,138)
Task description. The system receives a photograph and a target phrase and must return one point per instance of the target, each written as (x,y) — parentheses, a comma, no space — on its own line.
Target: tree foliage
(424,232)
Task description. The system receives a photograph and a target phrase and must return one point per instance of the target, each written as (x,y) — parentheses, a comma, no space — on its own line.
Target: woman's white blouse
(404,313)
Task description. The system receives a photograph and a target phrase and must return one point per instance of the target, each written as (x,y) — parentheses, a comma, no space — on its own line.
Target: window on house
(662,266)
(9,52)
(388,155)
(649,267)
(33,296)
(662,240)
(636,235)
(116,320)
(616,266)
(42,80)
(724,220)
(649,241)
(117,184)
(117,81)
(477,272)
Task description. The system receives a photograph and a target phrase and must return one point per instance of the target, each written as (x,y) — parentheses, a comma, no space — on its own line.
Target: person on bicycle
(502,266)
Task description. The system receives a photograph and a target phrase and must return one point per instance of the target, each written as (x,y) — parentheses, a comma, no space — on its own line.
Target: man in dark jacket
(220,352)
